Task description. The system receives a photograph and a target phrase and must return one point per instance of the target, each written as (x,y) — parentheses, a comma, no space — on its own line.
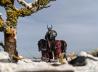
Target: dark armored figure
(50,34)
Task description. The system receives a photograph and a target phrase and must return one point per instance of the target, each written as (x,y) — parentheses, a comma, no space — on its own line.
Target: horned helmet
(49,27)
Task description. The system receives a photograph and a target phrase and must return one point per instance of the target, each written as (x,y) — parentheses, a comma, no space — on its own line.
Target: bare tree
(9,26)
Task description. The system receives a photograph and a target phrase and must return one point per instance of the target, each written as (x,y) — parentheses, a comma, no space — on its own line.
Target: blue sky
(74,20)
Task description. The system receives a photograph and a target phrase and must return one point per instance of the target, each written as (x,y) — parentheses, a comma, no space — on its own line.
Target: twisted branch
(1,23)
(24,3)
(30,8)
(6,2)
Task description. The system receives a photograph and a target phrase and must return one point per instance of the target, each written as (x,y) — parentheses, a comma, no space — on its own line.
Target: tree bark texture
(10,45)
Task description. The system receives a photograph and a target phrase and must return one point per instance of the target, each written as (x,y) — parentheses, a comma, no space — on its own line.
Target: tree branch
(6,2)
(24,3)
(1,23)
(3,2)
(30,8)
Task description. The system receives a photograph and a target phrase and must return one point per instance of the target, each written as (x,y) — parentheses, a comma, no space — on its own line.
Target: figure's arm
(55,33)
(30,8)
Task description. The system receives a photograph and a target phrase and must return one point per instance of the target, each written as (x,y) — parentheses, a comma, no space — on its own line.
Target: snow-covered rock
(4,57)
(85,54)
(92,63)
(92,66)
(34,66)
(7,67)
(24,61)
(43,66)
(27,65)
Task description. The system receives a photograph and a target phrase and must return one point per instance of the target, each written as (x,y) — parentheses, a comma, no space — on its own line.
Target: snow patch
(29,65)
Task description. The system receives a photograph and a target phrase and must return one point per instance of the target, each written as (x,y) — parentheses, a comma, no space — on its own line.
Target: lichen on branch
(6,2)
(37,2)
(1,23)
(30,8)
(12,15)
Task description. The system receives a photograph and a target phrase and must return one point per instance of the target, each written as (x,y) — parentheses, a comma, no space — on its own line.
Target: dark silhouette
(79,61)
(50,38)
(50,34)
(46,51)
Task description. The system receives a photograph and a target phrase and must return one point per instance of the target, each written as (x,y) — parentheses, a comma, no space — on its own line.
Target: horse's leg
(49,56)
(42,55)
(65,56)
(61,56)
(46,56)
(50,50)
(59,52)
(64,47)
(55,54)
(53,49)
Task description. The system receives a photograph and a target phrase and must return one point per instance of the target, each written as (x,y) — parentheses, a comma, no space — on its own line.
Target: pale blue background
(75,21)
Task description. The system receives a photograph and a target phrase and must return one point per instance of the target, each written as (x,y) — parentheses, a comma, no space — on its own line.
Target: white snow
(92,63)
(92,66)
(4,55)
(29,65)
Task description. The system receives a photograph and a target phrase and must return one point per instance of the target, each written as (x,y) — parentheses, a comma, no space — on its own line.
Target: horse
(60,47)
(56,46)
(43,47)
(51,48)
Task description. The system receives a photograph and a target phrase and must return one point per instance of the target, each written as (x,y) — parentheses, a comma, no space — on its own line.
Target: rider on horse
(51,48)
(50,37)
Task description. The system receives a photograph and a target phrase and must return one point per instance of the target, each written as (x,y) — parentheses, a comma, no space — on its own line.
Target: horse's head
(42,45)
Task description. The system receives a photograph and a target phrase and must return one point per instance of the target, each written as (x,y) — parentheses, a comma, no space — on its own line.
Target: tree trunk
(10,45)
